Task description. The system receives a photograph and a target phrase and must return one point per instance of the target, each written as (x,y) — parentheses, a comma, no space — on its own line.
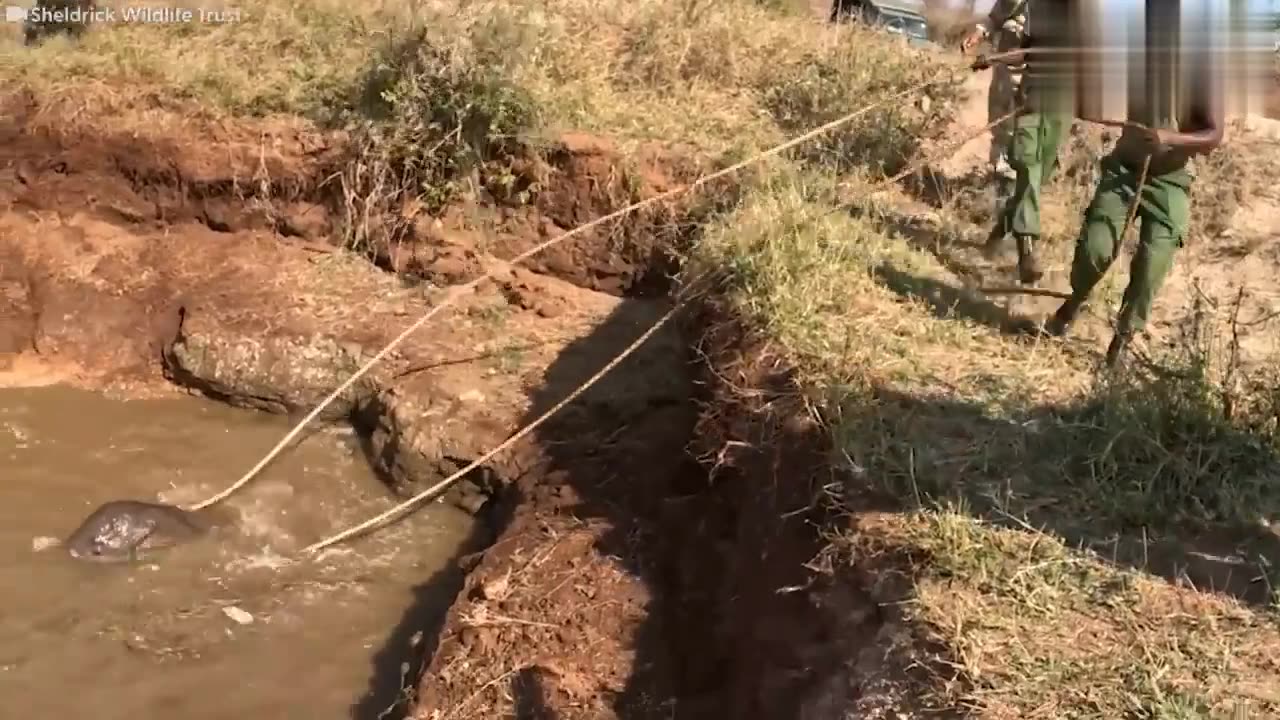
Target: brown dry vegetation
(1034,528)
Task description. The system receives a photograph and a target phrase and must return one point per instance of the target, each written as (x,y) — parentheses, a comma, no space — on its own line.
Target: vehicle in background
(900,17)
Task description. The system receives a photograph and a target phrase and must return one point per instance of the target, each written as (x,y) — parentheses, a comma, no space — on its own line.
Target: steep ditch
(645,552)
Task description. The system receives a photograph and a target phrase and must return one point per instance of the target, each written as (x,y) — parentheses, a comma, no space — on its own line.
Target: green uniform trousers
(1033,154)
(1164,214)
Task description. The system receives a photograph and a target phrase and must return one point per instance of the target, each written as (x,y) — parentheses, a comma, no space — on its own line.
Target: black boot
(1065,316)
(1029,270)
(995,241)
(1000,231)
(1004,186)
(1116,351)
(1056,325)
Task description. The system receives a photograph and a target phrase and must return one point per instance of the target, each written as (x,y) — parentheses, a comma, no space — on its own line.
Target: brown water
(153,640)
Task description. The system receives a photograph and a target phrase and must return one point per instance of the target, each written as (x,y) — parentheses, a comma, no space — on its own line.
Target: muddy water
(159,639)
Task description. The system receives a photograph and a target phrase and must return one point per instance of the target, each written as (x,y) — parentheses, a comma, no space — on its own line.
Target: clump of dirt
(147,168)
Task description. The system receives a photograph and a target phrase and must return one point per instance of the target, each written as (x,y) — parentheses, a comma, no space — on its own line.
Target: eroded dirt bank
(128,256)
(651,541)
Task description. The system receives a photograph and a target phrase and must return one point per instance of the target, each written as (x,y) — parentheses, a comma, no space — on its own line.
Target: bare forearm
(1011,57)
(1200,141)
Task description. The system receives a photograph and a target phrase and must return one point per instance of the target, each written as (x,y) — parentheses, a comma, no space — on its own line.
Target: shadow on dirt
(621,448)
(952,252)
(717,639)
(409,646)
(530,697)
(1024,306)
(618,452)
(970,196)
(946,300)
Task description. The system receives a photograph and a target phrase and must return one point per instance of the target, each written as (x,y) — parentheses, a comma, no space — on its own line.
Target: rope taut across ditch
(440,487)
(458,291)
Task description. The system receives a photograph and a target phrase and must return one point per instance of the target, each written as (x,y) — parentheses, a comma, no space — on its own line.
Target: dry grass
(1039,629)
(443,97)
(714,76)
(298,57)
(854,304)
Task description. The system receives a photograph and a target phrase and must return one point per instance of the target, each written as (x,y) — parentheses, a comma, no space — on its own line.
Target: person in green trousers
(1164,210)
(1005,27)
(1030,147)
(1037,138)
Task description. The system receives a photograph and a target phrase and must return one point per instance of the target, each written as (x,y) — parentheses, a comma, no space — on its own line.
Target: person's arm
(1001,11)
(1011,57)
(1208,116)
(1200,141)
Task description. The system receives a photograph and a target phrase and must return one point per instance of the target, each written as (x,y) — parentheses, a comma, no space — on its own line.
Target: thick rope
(443,485)
(458,290)
(949,150)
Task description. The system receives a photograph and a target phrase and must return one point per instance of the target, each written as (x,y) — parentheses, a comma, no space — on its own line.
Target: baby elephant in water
(118,530)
